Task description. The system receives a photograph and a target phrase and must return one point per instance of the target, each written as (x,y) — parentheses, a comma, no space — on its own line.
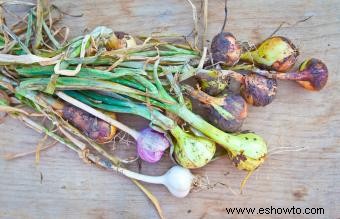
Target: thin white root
(201,183)
(280,150)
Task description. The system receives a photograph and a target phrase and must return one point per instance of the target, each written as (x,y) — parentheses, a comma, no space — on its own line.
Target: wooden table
(62,186)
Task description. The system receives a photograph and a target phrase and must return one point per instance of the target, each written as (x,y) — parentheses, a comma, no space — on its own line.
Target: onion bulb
(312,74)
(275,53)
(211,83)
(192,151)
(225,112)
(255,89)
(225,49)
(250,153)
(93,127)
(258,90)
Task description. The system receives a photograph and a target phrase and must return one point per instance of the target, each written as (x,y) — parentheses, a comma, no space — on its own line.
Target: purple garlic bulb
(151,145)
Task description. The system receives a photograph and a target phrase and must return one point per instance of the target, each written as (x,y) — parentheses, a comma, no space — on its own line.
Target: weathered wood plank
(307,178)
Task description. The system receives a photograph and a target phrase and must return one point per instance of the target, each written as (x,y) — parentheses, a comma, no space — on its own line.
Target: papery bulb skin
(258,90)
(120,40)
(276,53)
(317,72)
(192,151)
(211,82)
(225,49)
(250,153)
(230,118)
(151,145)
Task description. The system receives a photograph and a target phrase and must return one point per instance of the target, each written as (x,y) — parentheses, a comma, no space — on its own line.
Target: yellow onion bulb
(250,153)
(192,151)
(211,82)
(275,53)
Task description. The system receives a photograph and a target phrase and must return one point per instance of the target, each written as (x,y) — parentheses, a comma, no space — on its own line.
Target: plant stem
(50,35)
(100,161)
(7,59)
(122,106)
(95,159)
(75,83)
(228,141)
(164,94)
(98,114)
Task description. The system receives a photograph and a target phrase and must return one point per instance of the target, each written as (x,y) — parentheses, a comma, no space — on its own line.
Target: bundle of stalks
(79,84)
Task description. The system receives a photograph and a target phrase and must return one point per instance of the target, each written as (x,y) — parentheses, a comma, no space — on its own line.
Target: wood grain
(69,188)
